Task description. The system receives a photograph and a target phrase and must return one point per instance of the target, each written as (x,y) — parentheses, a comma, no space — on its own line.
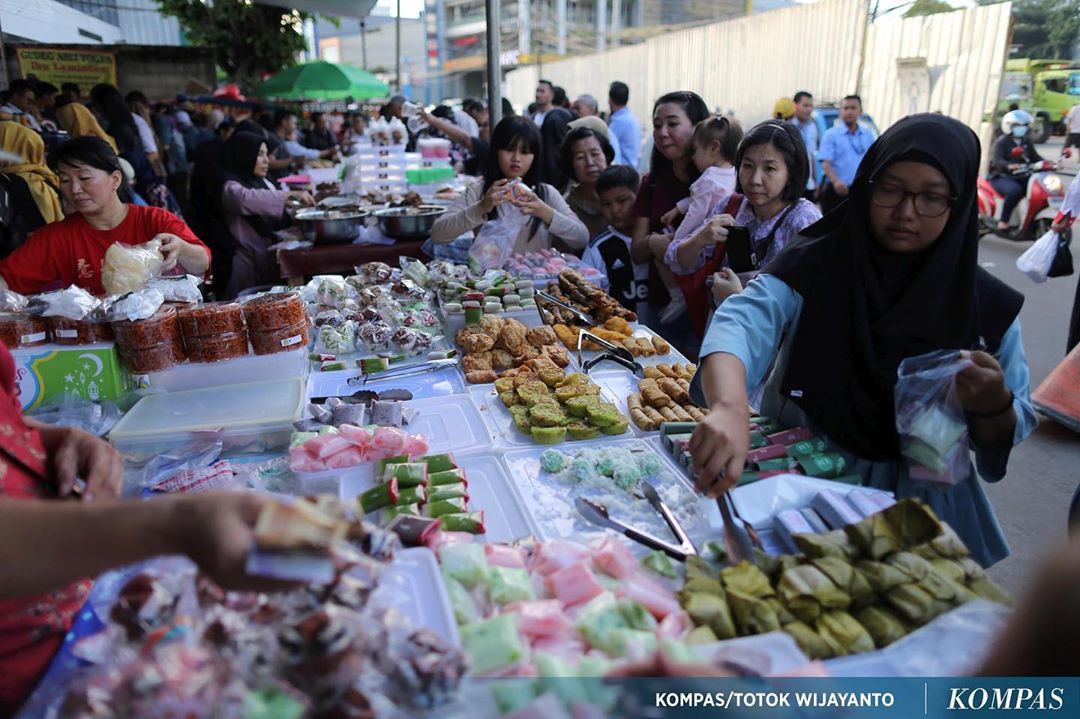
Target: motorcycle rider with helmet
(1013,152)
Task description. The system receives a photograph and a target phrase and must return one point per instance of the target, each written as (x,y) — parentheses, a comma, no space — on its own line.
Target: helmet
(784,109)
(1014,118)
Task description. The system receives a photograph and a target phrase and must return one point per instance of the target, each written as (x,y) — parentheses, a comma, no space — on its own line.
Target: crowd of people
(719,244)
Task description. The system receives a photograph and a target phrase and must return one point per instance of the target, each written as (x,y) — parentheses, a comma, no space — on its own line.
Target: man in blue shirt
(804,122)
(623,124)
(841,151)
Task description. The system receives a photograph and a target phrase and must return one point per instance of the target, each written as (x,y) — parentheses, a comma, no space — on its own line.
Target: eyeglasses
(927,204)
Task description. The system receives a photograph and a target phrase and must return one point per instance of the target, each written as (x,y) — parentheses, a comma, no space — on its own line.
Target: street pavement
(1032,500)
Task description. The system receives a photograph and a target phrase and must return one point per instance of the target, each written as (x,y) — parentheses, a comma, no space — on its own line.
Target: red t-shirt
(32,629)
(71,252)
(656,199)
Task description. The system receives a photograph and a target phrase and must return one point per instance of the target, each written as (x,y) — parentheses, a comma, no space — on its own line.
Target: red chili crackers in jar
(150,345)
(285,339)
(67,331)
(216,348)
(22,330)
(274,311)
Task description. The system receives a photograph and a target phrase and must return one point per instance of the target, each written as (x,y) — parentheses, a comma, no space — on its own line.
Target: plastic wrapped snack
(216,348)
(337,340)
(184,288)
(66,331)
(134,306)
(274,311)
(12,301)
(74,303)
(211,320)
(284,339)
(130,267)
(22,330)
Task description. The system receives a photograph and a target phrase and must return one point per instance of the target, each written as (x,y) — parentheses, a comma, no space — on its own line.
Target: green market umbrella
(322,80)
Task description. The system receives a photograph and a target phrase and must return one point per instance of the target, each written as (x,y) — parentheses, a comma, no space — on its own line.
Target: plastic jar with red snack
(18,329)
(276,322)
(216,348)
(67,331)
(150,345)
(214,332)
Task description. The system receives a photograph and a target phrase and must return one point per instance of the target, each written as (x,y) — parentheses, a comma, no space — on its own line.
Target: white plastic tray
(452,424)
(441,383)
(251,368)
(551,501)
(490,490)
(501,424)
(413,585)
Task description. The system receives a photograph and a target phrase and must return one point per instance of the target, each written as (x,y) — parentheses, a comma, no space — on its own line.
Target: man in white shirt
(545,95)
(1072,130)
(21,104)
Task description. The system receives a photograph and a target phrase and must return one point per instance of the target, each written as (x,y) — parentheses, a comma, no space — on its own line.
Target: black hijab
(865,309)
(238,156)
(552,134)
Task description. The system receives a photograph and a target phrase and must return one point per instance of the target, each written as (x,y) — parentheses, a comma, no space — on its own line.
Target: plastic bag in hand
(184,288)
(494,242)
(130,267)
(1037,259)
(929,419)
(136,306)
(74,303)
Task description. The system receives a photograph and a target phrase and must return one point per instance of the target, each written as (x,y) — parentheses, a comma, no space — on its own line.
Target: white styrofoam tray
(551,501)
(490,489)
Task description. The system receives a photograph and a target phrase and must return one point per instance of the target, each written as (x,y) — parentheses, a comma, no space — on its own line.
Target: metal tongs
(612,353)
(578,314)
(409,370)
(598,514)
(739,536)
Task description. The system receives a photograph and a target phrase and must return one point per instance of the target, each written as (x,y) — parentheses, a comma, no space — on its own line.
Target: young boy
(609,251)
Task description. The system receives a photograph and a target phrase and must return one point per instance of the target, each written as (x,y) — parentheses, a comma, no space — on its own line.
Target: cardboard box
(93,372)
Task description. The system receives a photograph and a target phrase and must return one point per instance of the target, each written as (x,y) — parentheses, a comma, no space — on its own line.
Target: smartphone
(740,250)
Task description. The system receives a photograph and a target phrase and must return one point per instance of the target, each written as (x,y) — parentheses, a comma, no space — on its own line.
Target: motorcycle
(1036,210)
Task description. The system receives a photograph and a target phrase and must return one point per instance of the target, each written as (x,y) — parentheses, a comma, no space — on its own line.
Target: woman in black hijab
(891,274)
(253,210)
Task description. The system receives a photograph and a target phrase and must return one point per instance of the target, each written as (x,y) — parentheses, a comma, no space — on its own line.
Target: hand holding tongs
(613,353)
(409,370)
(598,514)
(578,314)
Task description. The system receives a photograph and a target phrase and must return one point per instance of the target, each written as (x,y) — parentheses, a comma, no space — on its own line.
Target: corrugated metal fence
(744,65)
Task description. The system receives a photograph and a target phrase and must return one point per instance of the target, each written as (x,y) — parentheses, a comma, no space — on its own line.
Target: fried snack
(645,347)
(526,354)
(504,384)
(517,372)
(610,335)
(652,373)
(566,335)
(492,325)
(501,360)
(682,414)
(481,376)
(653,395)
(478,362)
(473,340)
(557,355)
(666,370)
(540,362)
(566,392)
(579,406)
(637,413)
(520,414)
(618,324)
(579,430)
(653,415)
(668,414)
(603,414)
(510,398)
(546,415)
(684,385)
(540,336)
(672,389)
(512,337)
(522,377)
(548,435)
(695,413)
(660,345)
(552,376)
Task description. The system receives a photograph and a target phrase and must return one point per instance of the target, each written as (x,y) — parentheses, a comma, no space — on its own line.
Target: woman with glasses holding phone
(892,274)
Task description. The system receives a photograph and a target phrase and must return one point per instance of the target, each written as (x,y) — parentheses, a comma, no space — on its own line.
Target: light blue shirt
(613,140)
(809,131)
(845,150)
(751,325)
(295,149)
(626,128)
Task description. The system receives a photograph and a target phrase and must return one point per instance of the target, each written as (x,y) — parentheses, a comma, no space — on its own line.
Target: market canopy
(321,80)
(336,8)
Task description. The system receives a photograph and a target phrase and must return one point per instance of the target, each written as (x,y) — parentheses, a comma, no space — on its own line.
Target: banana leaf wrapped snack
(874,537)
(883,625)
(843,633)
(915,604)
(847,578)
(807,592)
(747,579)
(752,615)
(831,544)
(809,641)
(882,577)
(913,522)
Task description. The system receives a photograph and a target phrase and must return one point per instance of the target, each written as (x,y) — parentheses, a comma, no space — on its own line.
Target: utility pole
(363,44)
(560,21)
(601,25)
(616,21)
(397,40)
(494,70)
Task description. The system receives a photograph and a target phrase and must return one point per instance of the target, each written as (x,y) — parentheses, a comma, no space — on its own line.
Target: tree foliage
(1044,28)
(928,7)
(250,40)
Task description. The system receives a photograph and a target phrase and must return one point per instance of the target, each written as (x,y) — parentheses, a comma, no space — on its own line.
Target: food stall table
(338,259)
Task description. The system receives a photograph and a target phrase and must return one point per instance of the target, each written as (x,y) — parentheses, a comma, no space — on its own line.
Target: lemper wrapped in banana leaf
(748,579)
(809,641)
(700,635)
(882,577)
(805,590)
(949,568)
(883,625)
(752,615)
(986,588)
(710,610)
(830,544)
(913,522)
(841,629)
(915,604)
(910,564)
(847,578)
(782,613)
(875,537)
(948,544)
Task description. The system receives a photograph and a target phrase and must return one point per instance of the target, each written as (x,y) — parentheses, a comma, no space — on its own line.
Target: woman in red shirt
(71,252)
